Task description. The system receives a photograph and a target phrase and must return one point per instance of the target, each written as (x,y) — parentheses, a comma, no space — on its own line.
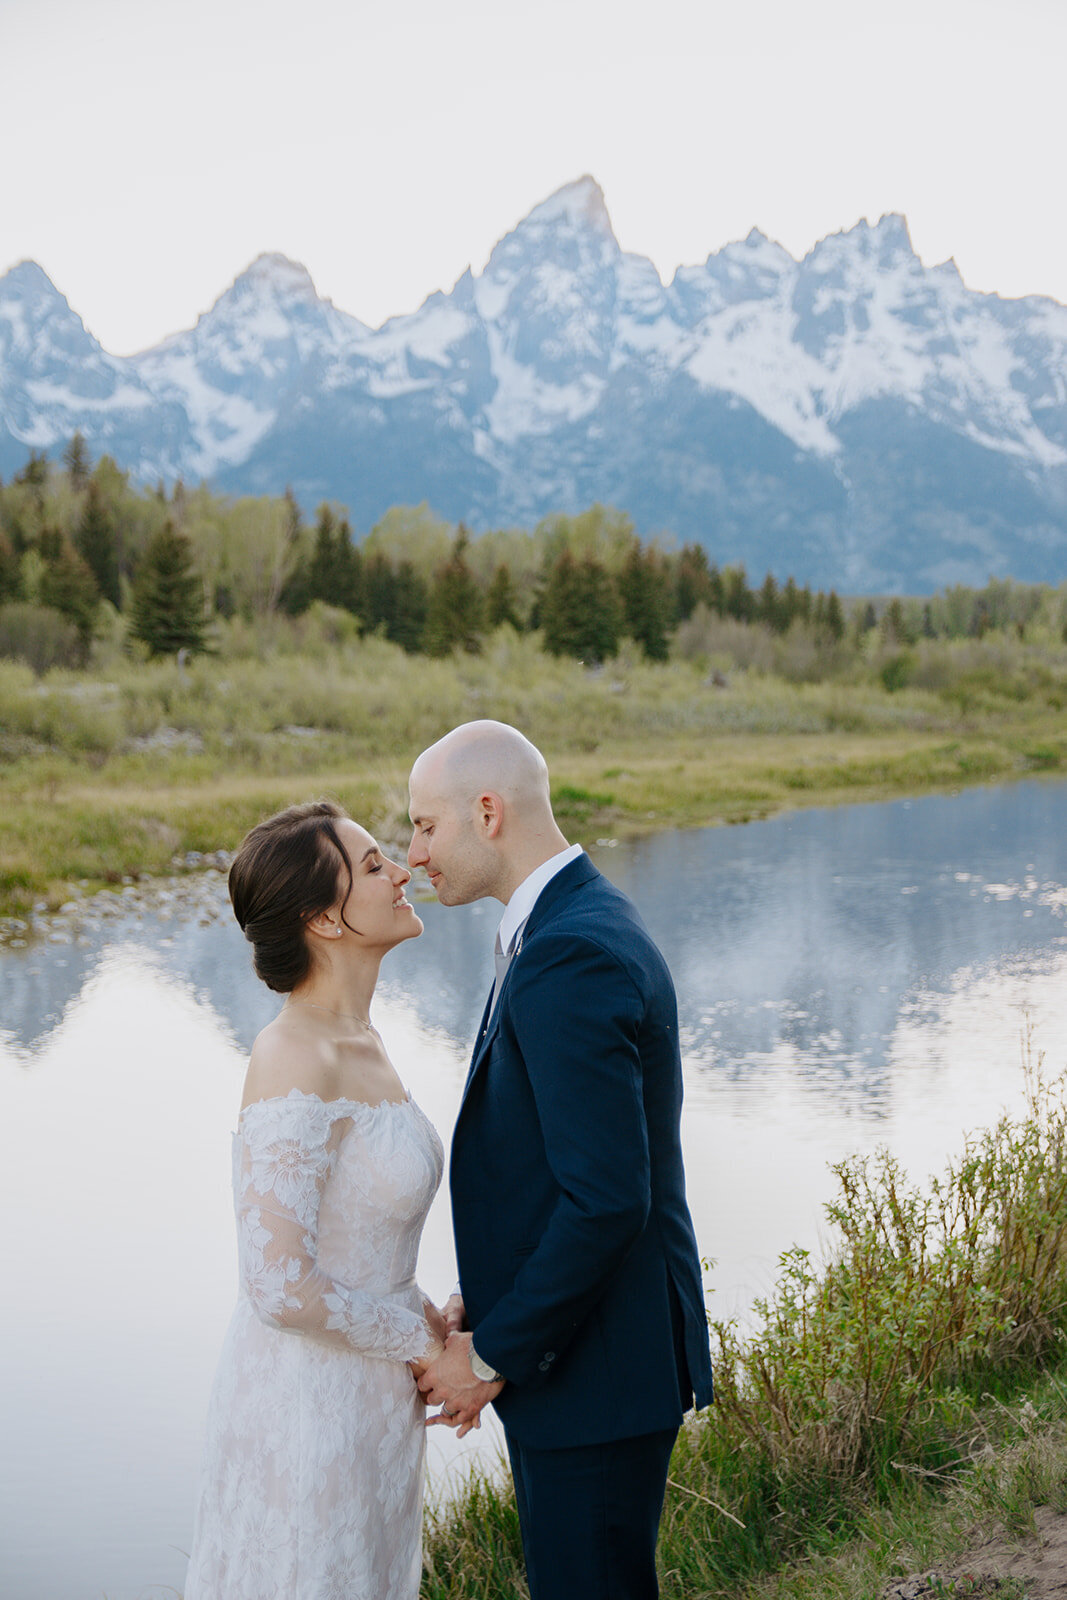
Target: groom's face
(445,840)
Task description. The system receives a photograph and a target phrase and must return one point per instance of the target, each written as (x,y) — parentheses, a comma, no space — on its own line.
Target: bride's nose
(401,874)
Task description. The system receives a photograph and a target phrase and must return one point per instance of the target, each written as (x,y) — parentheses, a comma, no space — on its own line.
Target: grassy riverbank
(117,771)
(895,1408)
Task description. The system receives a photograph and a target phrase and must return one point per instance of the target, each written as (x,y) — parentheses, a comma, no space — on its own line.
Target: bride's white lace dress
(313,1471)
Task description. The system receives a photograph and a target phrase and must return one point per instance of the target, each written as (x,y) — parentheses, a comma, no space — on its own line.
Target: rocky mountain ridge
(855,417)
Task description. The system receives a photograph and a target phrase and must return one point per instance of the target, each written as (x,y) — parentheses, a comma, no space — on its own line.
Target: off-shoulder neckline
(305,1094)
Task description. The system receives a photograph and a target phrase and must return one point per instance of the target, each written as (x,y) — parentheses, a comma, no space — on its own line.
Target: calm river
(846,979)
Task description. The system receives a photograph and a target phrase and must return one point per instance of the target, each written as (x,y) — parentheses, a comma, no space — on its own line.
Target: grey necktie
(502,961)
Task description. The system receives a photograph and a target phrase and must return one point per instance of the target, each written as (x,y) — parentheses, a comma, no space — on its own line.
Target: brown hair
(286,870)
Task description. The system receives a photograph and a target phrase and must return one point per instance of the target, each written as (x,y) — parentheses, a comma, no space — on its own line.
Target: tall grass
(860,1371)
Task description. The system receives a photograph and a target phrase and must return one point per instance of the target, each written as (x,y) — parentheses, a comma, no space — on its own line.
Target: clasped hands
(444,1375)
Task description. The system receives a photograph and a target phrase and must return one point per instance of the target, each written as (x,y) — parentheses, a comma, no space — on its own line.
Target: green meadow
(116,770)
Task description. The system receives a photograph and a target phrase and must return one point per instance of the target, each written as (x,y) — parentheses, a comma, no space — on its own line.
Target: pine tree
(456,612)
(738,599)
(168,597)
(10,575)
(289,565)
(790,603)
(35,472)
(76,461)
(716,591)
(379,593)
(769,605)
(410,604)
(894,627)
(394,601)
(644,589)
(97,544)
(335,570)
(579,610)
(835,617)
(692,581)
(501,601)
(323,573)
(68,586)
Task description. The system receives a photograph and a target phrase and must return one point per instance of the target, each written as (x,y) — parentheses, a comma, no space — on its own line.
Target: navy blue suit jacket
(576,1253)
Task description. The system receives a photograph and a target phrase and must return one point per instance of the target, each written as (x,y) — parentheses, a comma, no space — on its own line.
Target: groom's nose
(418,855)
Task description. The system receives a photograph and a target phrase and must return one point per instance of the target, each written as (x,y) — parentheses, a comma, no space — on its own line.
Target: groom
(580,1280)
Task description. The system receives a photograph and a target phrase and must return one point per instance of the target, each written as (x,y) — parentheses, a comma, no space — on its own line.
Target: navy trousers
(590,1516)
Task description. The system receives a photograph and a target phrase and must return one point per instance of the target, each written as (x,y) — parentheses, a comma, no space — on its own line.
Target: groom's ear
(490,813)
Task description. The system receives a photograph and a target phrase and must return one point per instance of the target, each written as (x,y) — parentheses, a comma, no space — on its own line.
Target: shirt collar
(525,897)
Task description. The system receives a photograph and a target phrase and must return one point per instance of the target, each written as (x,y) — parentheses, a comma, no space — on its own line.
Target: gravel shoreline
(196,889)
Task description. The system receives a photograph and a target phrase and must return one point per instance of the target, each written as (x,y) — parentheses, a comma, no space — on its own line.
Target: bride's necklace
(347,1016)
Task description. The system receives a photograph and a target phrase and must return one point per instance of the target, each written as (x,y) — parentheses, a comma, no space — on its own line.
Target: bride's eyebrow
(373,851)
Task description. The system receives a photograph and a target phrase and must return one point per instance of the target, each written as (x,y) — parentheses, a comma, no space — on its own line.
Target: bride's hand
(437,1334)
(435,1321)
(465,1427)
(423,1363)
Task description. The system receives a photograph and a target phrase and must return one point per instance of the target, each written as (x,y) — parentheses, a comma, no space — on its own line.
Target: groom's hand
(450,1384)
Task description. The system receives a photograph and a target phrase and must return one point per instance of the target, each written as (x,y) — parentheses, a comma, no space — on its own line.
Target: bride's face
(376,906)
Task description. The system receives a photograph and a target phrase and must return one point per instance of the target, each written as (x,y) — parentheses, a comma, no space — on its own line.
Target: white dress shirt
(525,897)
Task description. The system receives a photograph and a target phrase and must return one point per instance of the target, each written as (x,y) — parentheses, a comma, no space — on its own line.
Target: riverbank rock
(199,891)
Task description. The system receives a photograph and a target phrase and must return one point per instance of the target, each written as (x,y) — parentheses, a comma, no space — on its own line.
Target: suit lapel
(576,873)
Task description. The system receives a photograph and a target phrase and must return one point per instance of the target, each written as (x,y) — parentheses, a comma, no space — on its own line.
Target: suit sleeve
(577,1018)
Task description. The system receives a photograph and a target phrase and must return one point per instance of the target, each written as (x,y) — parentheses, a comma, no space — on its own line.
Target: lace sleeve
(284,1154)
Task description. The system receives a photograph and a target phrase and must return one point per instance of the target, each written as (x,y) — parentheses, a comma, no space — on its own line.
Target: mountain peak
(27,278)
(580,204)
(885,244)
(891,230)
(26,271)
(275,274)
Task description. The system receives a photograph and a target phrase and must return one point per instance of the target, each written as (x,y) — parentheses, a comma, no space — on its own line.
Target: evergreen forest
(90,562)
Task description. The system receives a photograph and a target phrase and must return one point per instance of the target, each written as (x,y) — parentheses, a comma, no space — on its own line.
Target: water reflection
(844,978)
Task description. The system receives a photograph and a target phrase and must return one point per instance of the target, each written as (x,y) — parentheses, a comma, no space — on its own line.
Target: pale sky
(150,149)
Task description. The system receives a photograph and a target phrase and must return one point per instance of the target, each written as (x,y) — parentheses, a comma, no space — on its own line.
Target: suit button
(543,1366)
(550,1355)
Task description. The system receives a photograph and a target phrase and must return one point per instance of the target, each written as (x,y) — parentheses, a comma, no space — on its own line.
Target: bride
(313,1470)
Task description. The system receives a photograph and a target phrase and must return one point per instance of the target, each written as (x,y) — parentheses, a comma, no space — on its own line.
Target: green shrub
(897,671)
(38,635)
(859,1371)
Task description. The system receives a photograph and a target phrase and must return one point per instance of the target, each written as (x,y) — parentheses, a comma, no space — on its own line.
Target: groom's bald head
(481,812)
(486,755)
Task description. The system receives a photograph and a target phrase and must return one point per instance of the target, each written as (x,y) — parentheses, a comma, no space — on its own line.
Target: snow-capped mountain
(856,418)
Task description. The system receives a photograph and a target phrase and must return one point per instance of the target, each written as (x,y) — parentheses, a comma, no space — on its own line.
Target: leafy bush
(859,1371)
(897,671)
(38,635)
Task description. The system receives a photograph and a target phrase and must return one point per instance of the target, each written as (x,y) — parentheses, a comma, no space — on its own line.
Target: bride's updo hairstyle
(285,872)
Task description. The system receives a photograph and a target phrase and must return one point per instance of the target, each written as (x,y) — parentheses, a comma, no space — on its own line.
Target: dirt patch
(1029,1568)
